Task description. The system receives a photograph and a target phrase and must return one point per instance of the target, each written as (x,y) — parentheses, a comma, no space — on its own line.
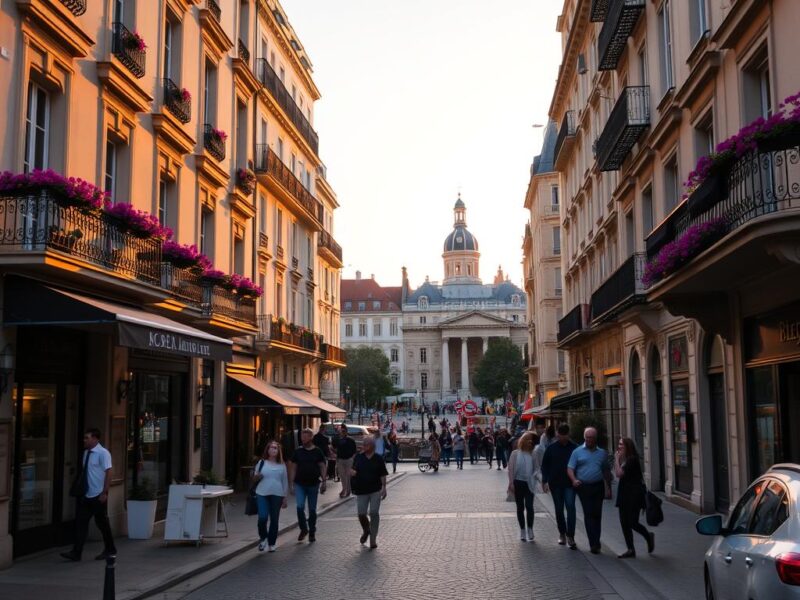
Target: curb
(166,585)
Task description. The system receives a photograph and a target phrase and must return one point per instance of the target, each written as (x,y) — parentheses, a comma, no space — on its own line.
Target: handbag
(652,511)
(251,503)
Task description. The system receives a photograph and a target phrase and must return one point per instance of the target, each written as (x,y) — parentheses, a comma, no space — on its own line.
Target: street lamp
(590,383)
(347,398)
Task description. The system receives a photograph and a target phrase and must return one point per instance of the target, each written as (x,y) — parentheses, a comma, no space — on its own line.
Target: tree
(367,376)
(502,363)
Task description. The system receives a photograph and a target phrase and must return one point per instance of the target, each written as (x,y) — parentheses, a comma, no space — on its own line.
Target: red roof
(369,292)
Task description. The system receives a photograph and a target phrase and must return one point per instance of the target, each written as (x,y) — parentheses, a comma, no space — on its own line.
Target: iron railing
(333,353)
(35,223)
(214,9)
(268,162)
(277,89)
(125,47)
(326,241)
(243,52)
(622,289)
(278,330)
(620,21)
(213,143)
(76,7)
(599,10)
(175,102)
(571,323)
(568,129)
(184,284)
(220,301)
(629,118)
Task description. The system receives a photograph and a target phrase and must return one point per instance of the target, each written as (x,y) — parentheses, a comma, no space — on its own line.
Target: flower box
(788,138)
(713,189)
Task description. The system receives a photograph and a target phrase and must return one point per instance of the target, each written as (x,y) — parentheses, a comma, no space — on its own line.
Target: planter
(141,518)
(789,138)
(713,189)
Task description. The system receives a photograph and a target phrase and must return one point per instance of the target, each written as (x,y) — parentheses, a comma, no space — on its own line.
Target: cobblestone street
(448,533)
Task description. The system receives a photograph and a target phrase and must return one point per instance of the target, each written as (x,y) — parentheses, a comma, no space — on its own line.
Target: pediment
(475,318)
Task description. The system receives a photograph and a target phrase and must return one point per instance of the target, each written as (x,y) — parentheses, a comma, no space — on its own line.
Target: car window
(771,511)
(740,518)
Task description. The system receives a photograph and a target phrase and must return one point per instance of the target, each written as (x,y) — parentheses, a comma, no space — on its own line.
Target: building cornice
(580,23)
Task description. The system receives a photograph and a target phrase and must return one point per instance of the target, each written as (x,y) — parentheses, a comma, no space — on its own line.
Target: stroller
(426,462)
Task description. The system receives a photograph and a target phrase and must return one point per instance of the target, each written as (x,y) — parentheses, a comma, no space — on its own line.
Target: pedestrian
(369,485)
(556,481)
(500,447)
(323,442)
(522,472)
(431,425)
(472,442)
(306,469)
(345,451)
(91,495)
(380,443)
(458,447)
(446,441)
(436,451)
(488,446)
(631,496)
(545,440)
(394,450)
(272,488)
(590,475)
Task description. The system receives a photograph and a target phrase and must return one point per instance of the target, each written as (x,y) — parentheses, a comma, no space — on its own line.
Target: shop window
(682,417)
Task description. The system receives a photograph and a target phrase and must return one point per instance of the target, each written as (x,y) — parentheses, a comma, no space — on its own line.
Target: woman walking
(446,441)
(436,451)
(394,449)
(523,468)
(488,446)
(631,496)
(271,491)
(458,447)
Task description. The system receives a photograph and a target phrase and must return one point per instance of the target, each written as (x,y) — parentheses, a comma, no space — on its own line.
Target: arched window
(422,303)
(469,269)
(515,300)
(458,269)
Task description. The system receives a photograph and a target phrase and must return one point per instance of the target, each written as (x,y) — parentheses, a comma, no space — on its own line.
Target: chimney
(358,275)
(372,276)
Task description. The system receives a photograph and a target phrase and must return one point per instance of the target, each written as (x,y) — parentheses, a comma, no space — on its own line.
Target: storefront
(772,362)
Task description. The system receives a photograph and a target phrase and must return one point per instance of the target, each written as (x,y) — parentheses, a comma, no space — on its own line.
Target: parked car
(357,432)
(756,556)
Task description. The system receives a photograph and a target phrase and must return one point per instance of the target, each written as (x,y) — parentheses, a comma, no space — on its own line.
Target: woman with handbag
(523,468)
(631,496)
(271,488)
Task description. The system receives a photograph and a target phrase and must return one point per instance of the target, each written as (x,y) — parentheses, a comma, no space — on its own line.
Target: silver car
(757,555)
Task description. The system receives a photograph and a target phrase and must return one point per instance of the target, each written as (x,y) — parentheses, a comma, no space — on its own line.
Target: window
(394,355)
(422,303)
(293,307)
(395,378)
(293,164)
(756,88)
(423,320)
(704,137)
(672,191)
(207,233)
(557,241)
(274,373)
(262,214)
(697,19)
(557,277)
(209,93)
(376,304)
(238,254)
(168,49)
(282,74)
(111,170)
(362,329)
(37,125)
(376,329)
(348,305)
(772,510)
(348,329)
(423,355)
(740,517)
(393,327)
(515,300)
(647,211)
(630,242)
(279,299)
(162,202)
(362,306)
(665,38)
(515,318)
(423,380)
(644,74)
(554,195)
(561,362)
(279,227)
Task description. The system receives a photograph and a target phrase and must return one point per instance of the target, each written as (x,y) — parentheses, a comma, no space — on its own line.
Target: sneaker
(571,542)
(530,534)
(105,555)
(262,545)
(302,536)
(523,535)
(312,537)
(364,537)
(73,556)
(562,539)
(272,548)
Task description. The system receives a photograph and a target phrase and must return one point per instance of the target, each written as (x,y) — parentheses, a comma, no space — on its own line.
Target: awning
(567,401)
(539,411)
(333,411)
(29,303)
(260,394)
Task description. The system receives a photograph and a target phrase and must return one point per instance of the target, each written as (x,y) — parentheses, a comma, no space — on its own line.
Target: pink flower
(186,96)
(219,133)
(682,249)
(137,42)
(139,223)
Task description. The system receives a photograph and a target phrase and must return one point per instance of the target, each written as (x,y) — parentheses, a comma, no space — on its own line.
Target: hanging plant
(138,223)
(219,134)
(136,42)
(246,180)
(683,249)
(66,191)
(184,256)
(215,276)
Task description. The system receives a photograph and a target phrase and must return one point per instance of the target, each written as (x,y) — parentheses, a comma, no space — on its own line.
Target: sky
(422,99)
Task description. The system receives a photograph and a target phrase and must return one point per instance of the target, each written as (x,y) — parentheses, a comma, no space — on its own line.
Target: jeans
(629,520)
(564,497)
(524,499)
(446,452)
(489,451)
(369,503)
(460,459)
(501,457)
(395,451)
(88,508)
(310,492)
(592,495)
(268,507)
(473,455)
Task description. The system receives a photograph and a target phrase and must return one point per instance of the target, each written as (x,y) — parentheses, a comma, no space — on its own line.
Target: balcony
(629,118)
(242,52)
(267,162)
(128,50)
(552,210)
(621,18)
(599,10)
(278,91)
(214,9)
(622,289)
(219,301)
(282,335)
(176,103)
(213,143)
(573,323)
(565,139)
(76,7)
(326,243)
(334,354)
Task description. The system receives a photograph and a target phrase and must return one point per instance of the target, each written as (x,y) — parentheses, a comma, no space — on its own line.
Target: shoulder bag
(250,503)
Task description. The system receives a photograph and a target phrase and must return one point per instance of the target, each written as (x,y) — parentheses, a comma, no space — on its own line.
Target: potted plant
(141,510)
(209,477)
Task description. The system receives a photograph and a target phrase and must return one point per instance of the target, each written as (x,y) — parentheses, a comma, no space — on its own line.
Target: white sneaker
(262,545)
(273,548)
(522,535)
(530,534)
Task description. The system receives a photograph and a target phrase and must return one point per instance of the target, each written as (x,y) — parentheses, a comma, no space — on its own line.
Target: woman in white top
(523,468)
(271,491)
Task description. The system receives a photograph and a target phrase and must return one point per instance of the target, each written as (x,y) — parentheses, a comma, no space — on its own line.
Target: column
(464,365)
(445,366)
(485,344)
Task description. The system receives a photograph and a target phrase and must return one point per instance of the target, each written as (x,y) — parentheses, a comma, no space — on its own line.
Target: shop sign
(774,335)
(172,342)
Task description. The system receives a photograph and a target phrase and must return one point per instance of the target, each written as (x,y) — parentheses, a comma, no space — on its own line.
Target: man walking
(369,485)
(91,492)
(306,470)
(345,451)
(556,481)
(590,474)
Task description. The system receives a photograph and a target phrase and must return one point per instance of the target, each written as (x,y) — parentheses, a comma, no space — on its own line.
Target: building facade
(181,114)
(682,358)
(546,365)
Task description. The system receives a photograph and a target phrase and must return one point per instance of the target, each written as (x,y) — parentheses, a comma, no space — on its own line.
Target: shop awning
(333,411)
(571,401)
(539,411)
(260,394)
(30,303)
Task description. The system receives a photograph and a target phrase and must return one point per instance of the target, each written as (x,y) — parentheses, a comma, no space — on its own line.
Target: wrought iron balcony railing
(36,223)
(129,49)
(333,353)
(213,143)
(219,301)
(573,322)
(268,162)
(326,241)
(176,102)
(277,89)
(566,133)
(214,9)
(629,118)
(620,21)
(278,330)
(76,7)
(622,289)
(243,52)
(599,10)
(184,284)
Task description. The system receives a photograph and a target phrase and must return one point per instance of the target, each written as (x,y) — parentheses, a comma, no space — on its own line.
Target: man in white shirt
(91,493)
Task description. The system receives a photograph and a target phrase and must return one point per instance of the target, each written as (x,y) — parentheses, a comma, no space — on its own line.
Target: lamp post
(421,415)
(590,383)
(347,399)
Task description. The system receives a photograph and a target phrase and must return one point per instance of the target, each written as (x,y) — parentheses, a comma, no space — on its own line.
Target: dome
(460,203)
(460,239)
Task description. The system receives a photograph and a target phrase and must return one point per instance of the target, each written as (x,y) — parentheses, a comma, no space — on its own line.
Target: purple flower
(139,223)
(679,251)
(219,133)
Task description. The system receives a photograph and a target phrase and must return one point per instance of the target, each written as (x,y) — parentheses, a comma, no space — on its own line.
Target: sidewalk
(144,567)
(674,570)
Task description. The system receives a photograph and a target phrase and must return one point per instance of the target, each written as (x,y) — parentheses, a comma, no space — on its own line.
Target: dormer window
(422,303)
(515,300)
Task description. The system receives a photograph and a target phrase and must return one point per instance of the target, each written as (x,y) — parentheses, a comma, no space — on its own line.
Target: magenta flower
(136,42)
(67,191)
(186,96)
(184,256)
(219,133)
(681,250)
(137,222)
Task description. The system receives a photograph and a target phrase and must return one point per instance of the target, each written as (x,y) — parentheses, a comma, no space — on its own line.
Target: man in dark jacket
(556,481)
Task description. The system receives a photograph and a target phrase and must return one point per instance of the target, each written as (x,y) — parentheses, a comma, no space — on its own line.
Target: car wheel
(709,589)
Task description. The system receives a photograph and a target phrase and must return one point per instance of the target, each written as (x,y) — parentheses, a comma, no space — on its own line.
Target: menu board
(680,423)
